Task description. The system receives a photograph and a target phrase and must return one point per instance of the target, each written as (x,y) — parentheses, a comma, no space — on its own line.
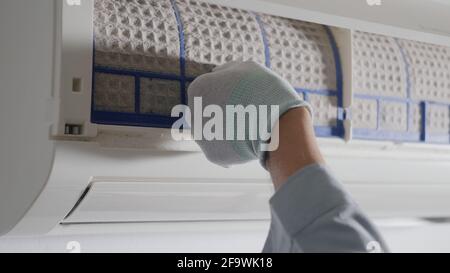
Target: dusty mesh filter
(114,93)
(165,44)
(438,119)
(215,35)
(429,69)
(301,52)
(136,35)
(429,72)
(402,89)
(378,66)
(157,95)
(378,71)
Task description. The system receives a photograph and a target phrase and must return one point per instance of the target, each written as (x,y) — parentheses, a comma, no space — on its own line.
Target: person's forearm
(311,210)
(297,146)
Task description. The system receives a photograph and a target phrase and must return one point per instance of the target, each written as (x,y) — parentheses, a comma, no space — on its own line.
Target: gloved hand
(241,83)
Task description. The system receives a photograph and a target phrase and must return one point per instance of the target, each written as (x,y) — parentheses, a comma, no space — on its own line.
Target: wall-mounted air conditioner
(87,87)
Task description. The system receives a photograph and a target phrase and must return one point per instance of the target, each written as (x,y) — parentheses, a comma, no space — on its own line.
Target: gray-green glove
(241,83)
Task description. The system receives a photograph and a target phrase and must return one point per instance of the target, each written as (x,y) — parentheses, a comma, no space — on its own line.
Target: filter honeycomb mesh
(393,116)
(215,35)
(114,93)
(159,96)
(148,51)
(139,35)
(301,53)
(378,66)
(407,82)
(325,110)
(438,119)
(364,113)
(164,44)
(429,70)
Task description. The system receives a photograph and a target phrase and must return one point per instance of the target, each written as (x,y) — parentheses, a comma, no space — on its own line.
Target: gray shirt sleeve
(312,212)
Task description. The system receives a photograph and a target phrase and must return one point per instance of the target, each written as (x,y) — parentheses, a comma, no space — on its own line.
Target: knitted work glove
(246,84)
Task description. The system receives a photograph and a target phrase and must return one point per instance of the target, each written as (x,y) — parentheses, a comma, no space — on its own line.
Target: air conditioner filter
(148,51)
(402,89)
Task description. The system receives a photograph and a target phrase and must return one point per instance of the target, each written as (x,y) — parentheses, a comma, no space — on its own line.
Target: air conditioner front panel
(171,201)
(82,115)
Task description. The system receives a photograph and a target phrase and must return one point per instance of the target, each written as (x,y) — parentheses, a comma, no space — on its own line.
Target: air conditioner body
(59,166)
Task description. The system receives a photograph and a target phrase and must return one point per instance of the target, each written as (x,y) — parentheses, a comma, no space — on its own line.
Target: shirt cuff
(306,196)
